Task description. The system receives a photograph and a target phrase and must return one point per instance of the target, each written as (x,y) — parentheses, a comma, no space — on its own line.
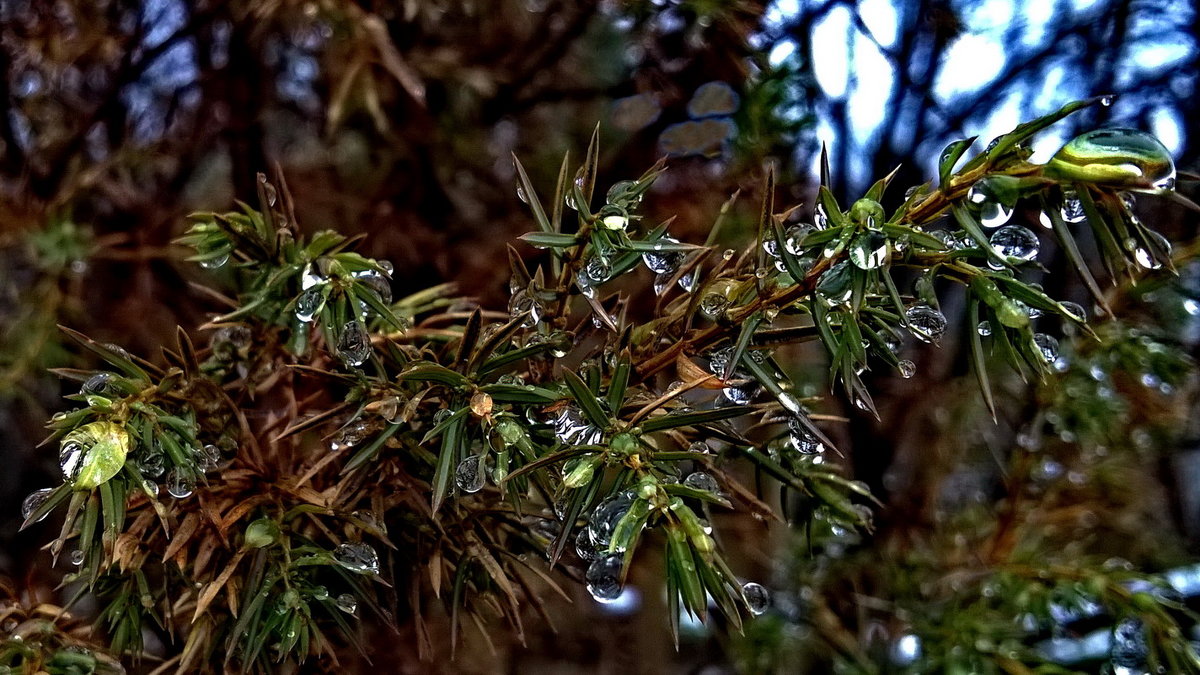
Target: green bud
(500,471)
(867,212)
(581,474)
(624,444)
(1012,315)
(103,446)
(511,431)
(261,533)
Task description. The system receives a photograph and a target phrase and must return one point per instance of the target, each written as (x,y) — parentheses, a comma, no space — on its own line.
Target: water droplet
(214,263)
(614,218)
(1047,345)
(688,281)
(836,285)
(34,501)
(209,457)
(309,304)
(585,548)
(471,474)
(597,269)
(312,276)
(621,192)
(702,481)
(521,195)
(376,281)
(661,261)
(869,250)
(984,328)
(93,453)
(1144,257)
(354,345)
(802,440)
(1074,309)
(926,323)
(1115,156)
(605,517)
(993,212)
(70,458)
(906,650)
(347,603)
(521,302)
(718,361)
(357,557)
(350,435)
(661,283)
(771,247)
(1129,648)
(820,218)
(603,578)
(1108,100)
(152,462)
(907,368)
(1015,242)
(794,236)
(77,557)
(713,304)
(100,384)
(727,254)
(571,428)
(700,447)
(1072,208)
(758,598)
(740,394)
(391,408)
(180,483)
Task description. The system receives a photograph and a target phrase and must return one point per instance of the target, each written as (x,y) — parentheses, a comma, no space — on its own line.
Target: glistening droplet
(758,598)
(354,345)
(603,578)
(33,502)
(357,557)
(926,323)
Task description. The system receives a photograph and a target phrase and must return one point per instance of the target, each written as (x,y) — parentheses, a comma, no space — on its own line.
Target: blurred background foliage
(399,119)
